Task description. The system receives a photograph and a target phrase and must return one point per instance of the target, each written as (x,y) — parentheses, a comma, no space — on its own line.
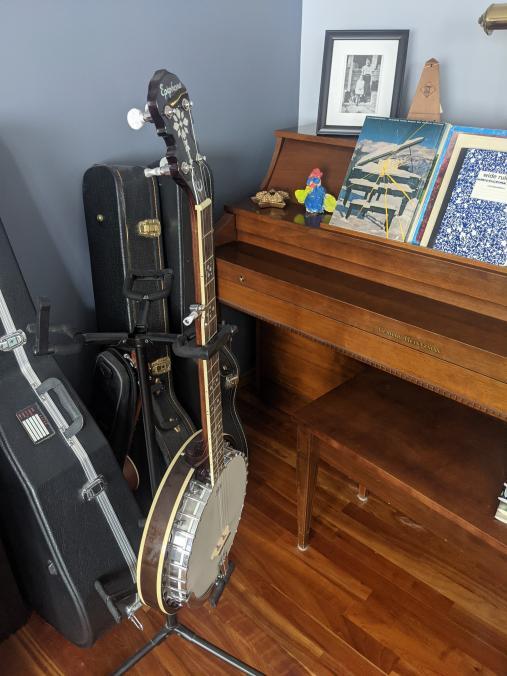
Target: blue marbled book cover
(417,229)
(474,220)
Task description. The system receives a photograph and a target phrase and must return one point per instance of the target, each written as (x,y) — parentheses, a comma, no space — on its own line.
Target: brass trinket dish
(271,198)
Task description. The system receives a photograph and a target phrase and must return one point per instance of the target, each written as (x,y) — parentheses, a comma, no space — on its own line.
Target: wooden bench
(437,461)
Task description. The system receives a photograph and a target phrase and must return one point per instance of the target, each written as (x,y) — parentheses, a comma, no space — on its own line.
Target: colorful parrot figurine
(314,196)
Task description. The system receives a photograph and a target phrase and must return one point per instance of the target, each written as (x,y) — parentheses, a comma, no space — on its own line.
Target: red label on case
(35,424)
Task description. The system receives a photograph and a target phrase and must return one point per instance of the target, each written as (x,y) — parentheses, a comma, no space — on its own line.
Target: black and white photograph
(362,74)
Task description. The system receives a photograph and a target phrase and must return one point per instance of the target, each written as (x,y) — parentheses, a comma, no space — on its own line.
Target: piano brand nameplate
(408,340)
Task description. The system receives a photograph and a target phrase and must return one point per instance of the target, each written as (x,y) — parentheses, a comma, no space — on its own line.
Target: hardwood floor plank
(463,583)
(282,618)
(366,644)
(425,649)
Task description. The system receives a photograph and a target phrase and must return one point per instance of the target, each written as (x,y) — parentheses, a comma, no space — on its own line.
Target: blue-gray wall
(71,69)
(472,65)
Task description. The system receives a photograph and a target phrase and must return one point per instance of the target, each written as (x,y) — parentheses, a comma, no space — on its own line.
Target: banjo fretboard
(207,326)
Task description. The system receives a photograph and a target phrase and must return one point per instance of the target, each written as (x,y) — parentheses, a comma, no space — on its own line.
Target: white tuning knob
(136,118)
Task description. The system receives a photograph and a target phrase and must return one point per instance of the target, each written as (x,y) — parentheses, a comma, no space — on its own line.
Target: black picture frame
(333,37)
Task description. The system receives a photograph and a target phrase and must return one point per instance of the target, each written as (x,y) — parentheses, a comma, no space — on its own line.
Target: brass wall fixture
(494,18)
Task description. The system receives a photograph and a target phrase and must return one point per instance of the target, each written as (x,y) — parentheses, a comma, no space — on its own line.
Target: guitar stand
(172,626)
(182,345)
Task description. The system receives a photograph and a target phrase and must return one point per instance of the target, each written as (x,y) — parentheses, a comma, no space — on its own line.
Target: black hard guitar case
(71,525)
(124,234)
(119,202)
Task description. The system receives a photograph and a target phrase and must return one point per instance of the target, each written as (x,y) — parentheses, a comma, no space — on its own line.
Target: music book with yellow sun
(387,176)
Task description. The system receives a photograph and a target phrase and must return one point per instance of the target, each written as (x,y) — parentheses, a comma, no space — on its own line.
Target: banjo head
(203,532)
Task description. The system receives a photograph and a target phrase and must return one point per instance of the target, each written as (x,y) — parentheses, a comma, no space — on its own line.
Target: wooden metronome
(426,102)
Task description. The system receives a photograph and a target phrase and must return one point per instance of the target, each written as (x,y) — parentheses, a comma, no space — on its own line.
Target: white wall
(473,66)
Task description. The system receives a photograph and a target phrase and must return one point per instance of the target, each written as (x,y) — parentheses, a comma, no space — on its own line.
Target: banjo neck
(206,327)
(169,108)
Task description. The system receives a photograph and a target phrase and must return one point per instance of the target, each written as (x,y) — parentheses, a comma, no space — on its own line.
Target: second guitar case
(134,221)
(124,234)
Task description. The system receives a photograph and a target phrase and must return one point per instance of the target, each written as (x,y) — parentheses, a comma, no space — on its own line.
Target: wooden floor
(375,593)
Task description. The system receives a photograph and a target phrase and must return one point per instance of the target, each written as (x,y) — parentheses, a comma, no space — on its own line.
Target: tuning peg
(157,171)
(162,170)
(136,118)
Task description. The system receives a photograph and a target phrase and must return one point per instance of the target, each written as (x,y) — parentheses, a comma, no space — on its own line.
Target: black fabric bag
(71,526)
(124,234)
(114,403)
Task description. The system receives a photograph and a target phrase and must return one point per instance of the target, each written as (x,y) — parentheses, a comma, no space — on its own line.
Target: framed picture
(362,74)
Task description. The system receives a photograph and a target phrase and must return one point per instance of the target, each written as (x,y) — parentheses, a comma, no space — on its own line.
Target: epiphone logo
(409,340)
(170,89)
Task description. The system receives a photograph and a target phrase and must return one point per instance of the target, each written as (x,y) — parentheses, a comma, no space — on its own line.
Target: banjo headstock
(169,108)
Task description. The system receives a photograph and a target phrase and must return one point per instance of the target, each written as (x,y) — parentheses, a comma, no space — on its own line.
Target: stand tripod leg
(173,627)
(189,635)
(152,643)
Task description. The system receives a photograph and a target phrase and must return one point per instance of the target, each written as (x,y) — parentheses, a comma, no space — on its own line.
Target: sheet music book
(387,176)
(469,215)
(451,135)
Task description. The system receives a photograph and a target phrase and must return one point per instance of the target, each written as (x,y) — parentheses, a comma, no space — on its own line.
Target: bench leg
(362,493)
(307,463)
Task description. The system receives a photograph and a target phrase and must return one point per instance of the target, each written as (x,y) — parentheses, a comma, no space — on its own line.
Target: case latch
(150,227)
(12,340)
(160,366)
(93,488)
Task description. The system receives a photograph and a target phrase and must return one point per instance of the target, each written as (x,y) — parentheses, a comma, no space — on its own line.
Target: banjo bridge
(221,543)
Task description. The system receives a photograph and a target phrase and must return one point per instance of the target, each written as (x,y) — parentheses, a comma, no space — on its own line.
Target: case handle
(164,275)
(76,417)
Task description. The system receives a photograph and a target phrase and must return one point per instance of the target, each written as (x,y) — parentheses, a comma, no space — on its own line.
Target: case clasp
(93,488)
(12,340)
(150,227)
(160,366)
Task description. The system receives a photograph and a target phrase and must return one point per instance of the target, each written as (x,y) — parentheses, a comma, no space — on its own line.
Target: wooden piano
(335,301)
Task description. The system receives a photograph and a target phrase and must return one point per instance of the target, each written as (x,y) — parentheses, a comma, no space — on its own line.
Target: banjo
(196,510)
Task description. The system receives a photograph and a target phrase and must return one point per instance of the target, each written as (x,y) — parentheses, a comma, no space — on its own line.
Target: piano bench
(437,461)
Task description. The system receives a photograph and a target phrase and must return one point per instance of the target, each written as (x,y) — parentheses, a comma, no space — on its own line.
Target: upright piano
(356,301)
